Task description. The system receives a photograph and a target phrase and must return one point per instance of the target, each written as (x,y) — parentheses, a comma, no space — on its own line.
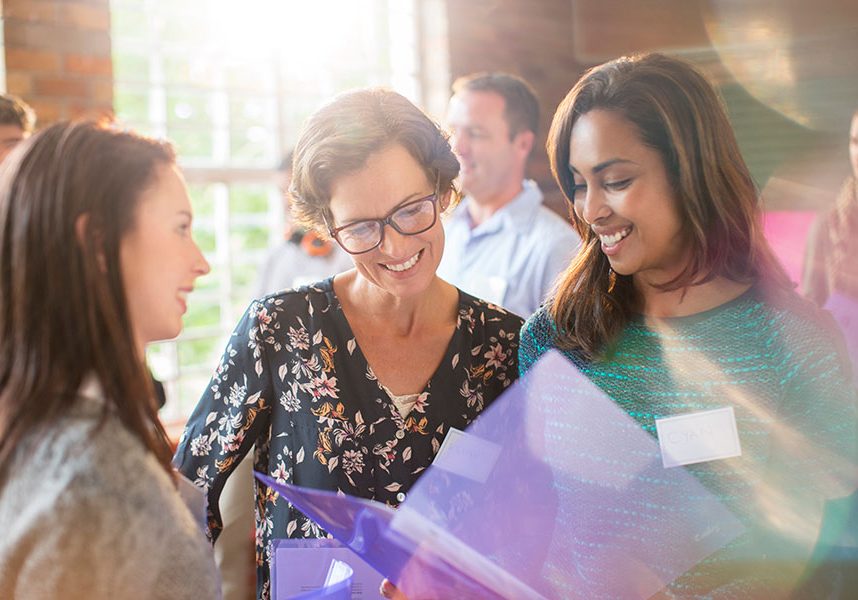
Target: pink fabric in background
(787,232)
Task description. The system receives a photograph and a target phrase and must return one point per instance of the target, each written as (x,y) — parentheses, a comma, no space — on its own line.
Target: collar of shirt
(517,214)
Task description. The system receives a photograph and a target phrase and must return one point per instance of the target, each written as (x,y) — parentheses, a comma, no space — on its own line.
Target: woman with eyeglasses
(351,384)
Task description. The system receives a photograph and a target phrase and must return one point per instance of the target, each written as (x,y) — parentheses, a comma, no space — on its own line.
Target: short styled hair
(14,111)
(521,106)
(338,139)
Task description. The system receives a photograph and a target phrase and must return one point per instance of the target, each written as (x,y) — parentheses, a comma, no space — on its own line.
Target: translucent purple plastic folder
(554,492)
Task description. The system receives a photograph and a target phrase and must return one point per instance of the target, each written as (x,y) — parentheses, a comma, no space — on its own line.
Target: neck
(690,300)
(403,316)
(483,206)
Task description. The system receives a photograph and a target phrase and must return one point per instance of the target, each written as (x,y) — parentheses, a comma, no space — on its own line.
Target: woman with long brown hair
(96,260)
(675,305)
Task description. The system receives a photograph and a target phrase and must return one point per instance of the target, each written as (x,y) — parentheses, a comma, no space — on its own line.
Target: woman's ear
(444,200)
(87,237)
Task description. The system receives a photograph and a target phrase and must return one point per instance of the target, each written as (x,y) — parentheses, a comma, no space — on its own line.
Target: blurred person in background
(676,305)
(96,261)
(503,245)
(17,122)
(830,275)
(830,264)
(351,384)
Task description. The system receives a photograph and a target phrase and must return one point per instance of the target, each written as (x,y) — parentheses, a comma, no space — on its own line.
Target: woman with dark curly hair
(351,384)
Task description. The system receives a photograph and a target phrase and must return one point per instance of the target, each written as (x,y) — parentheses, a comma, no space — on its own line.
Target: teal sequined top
(788,381)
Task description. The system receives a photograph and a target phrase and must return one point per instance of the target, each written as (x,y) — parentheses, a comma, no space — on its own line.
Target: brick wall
(57,56)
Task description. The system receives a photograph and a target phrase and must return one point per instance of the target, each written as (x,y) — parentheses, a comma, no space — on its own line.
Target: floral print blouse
(294,382)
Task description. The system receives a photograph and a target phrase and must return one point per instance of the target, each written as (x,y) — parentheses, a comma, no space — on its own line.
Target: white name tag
(698,437)
(467,455)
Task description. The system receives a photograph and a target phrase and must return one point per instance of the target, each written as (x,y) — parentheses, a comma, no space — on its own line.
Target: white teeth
(406,265)
(614,239)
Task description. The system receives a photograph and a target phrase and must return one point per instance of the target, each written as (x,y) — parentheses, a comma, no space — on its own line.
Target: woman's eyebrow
(605,164)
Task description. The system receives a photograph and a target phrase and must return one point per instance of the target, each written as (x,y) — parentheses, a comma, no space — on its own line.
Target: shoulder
(109,502)
(488,314)
(538,336)
(125,495)
(549,231)
(542,217)
(303,301)
(300,295)
(540,324)
(790,313)
(551,221)
(796,327)
(107,461)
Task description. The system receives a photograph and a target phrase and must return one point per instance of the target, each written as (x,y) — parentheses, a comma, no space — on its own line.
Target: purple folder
(315,568)
(554,492)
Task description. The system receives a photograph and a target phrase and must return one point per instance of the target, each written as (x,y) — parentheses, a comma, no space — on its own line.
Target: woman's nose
(202,266)
(592,206)
(393,241)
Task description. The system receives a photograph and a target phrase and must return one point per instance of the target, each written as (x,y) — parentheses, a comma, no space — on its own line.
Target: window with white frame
(230,83)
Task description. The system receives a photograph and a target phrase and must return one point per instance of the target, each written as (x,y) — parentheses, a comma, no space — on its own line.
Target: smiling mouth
(615,238)
(408,264)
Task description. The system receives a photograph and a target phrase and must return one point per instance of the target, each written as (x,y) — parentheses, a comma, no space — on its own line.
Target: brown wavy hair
(338,139)
(678,113)
(67,198)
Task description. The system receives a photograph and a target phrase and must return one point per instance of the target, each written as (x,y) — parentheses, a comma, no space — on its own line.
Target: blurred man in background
(502,244)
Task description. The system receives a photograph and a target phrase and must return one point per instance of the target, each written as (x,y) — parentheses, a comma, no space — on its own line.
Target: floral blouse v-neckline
(293,383)
(449,350)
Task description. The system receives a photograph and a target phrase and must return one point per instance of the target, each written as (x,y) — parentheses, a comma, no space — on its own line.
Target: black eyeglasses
(411,218)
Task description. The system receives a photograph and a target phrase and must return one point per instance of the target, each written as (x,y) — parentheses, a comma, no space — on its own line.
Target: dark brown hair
(66,201)
(678,113)
(14,111)
(339,138)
